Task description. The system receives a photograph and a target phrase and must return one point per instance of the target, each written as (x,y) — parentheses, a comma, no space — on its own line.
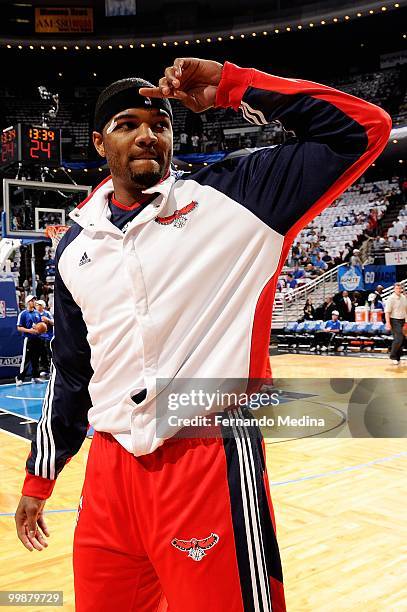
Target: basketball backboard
(30,206)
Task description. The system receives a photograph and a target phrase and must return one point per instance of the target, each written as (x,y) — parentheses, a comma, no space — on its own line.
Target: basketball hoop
(55,233)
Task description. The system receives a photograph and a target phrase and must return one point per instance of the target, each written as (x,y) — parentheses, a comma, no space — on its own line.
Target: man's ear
(98,143)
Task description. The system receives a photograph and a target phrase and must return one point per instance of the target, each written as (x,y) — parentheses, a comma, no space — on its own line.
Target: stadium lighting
(131,46)
(175,43)
(323,22)
(42,47)
(87,47)
(347,17)
(220,38)
(9,47)
(265,33)
(254,34)
(384,8)
(76,47)
(371,12)
(20,46)
(395,141)
(59,74)
(153,44)
(187,42)
(198,41)
(53,47)
(164,44)
(110,47)
(31,47)
(69,170)
(276,31)
(85,169)
(65,48)
(335,20)
(299,27)
(231,37)
(120,47)
(142,45)
(241,35)
(311,25)
(208,40)
(359,14)
(288,29)
(99,46)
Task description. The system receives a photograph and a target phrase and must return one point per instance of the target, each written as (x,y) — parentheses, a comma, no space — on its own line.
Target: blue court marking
(275,484)
(358,466)
(25,400)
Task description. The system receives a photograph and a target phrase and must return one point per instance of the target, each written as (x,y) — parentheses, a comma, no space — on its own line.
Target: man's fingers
(42,524)
(151,92)
(178,65)
(22,535)
(34,538)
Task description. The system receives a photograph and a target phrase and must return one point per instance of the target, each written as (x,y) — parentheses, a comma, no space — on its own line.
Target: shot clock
(30,144)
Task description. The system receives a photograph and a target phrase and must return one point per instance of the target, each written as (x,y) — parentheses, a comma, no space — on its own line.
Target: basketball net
(55,233)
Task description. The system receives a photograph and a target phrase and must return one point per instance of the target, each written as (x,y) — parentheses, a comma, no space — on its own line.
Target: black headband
(124,94)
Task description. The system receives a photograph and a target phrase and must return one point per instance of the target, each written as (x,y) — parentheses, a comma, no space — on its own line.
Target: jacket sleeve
(63,424)
(337,137)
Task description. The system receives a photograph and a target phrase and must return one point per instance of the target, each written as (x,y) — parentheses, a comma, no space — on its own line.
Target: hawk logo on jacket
(178,218)
(196,548)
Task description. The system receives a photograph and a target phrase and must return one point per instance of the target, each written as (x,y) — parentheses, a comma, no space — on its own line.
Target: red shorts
(187,527)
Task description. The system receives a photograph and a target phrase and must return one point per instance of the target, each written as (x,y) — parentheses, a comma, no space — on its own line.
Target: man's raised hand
(190,80)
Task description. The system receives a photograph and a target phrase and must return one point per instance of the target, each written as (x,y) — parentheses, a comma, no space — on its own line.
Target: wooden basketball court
(339,505)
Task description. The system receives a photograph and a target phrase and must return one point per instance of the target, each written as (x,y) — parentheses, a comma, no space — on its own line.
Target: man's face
(397,289)
(345,294)
(31,305)
(334,317)
(137,144)
(39,307)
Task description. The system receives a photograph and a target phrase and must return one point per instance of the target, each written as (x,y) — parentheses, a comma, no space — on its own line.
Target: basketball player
(163,518)
(32,346)
(46,337)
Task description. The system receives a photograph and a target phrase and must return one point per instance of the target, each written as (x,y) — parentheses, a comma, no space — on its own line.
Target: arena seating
(354,337)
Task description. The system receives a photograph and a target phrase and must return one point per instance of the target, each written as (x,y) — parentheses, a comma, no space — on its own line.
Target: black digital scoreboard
(30,144)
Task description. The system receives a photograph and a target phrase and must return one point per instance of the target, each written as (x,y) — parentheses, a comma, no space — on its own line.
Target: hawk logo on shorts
(196,548)
(178,218)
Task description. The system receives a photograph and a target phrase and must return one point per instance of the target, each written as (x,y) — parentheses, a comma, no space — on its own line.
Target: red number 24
(45,147)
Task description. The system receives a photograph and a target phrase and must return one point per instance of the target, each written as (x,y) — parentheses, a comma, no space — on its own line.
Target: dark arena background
(338,495)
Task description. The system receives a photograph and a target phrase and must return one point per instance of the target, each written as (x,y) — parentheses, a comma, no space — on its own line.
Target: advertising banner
(60,20)
(11,342)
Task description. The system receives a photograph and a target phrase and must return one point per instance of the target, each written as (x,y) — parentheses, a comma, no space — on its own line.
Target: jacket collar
(93,212)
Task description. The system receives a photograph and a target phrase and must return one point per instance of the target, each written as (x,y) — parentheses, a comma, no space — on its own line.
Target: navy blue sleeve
(63,424)
(337,137)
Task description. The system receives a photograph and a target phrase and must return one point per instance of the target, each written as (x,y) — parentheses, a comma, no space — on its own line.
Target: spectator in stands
(183,139)
(309,310)
(378,300)
(397,229)
(325,311)
(396,315)
(347,251)
(310,271)
(338,222)
(403,239)
(327,258)
(320,265)
(372,221)
(298,272)
(355,260)
(324,337)
(346,221)
(195,143)
(345,307)
(395,243)
(291,281)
